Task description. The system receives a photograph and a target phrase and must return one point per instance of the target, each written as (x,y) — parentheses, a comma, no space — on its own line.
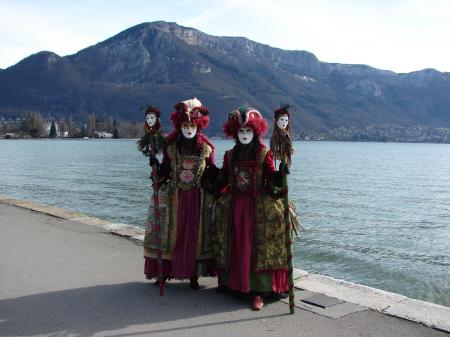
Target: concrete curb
(430,314)
(115,228)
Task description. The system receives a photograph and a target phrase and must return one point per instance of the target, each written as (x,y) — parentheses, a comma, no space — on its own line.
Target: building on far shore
(102,134)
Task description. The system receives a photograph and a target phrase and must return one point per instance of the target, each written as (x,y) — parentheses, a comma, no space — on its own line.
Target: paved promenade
(64,278)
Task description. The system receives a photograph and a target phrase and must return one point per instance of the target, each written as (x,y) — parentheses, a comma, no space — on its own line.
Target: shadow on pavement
(85,311)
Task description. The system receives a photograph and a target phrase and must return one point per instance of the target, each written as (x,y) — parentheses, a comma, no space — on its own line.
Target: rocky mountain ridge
(162,63)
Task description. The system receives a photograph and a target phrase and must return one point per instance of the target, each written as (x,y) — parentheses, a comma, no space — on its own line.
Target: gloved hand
(283,168)
(153,161)
(211,172)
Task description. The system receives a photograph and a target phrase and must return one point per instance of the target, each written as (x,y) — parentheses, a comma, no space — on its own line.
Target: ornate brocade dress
(249,242)
(185,209)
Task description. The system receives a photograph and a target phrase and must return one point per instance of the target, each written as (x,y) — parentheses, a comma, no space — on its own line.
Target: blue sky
(395,35)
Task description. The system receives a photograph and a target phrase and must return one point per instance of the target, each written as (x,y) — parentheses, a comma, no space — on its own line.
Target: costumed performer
(185,233)
(249,240)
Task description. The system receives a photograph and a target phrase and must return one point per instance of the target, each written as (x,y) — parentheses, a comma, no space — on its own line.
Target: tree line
(34,125)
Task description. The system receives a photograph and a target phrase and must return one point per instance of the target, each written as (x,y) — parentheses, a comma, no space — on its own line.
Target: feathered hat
(283,110)
(191,111)
(245,116)
(148,109)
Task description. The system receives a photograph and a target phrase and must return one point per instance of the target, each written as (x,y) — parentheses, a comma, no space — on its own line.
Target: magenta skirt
(241,277)
(183,264)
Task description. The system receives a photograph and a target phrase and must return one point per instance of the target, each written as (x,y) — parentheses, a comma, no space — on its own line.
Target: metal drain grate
(322,301)
(324,305)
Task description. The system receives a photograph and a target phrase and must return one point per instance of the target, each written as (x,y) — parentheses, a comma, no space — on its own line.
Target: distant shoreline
(267,140)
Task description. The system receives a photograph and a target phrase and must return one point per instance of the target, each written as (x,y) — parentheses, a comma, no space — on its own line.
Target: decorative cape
(169,205)
(269,250)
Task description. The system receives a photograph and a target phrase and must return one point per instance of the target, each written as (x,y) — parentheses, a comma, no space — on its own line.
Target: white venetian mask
(245,135)
(151,119)
(282,122)
(189,130)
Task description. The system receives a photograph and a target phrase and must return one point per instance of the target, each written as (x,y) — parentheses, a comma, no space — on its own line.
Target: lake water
(375,213)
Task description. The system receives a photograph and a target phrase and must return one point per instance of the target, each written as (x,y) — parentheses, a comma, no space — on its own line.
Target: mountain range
(163,63)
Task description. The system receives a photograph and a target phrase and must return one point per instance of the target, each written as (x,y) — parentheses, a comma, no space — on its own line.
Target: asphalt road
(63,278)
